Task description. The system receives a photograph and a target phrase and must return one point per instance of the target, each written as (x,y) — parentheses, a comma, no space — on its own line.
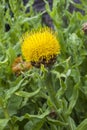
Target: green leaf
(28,116)
(72,124)
(56,122)
(3,62)
(11,55)
(1,101)
(83,125)
(36,124)
(24,20)
(73,98)
(14,104)
(14,88)
(47,6)
(26,94)
(62,89)
(3,123)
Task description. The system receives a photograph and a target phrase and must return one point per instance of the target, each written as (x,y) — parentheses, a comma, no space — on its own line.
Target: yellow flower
(40,46)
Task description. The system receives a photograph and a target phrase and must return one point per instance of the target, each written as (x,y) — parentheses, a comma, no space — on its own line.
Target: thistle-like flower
(40,47)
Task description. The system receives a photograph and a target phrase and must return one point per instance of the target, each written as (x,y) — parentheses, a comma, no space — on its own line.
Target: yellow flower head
(40,46)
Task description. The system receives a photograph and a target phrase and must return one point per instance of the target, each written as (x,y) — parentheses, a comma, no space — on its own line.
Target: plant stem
(7,117)
(52,93)
(6,113)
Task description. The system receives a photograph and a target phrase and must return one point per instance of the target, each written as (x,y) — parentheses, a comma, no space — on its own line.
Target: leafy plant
(42,98)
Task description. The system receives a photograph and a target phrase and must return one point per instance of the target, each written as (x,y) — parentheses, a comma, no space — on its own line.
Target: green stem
(52,93)
(6,113)
(7,116)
